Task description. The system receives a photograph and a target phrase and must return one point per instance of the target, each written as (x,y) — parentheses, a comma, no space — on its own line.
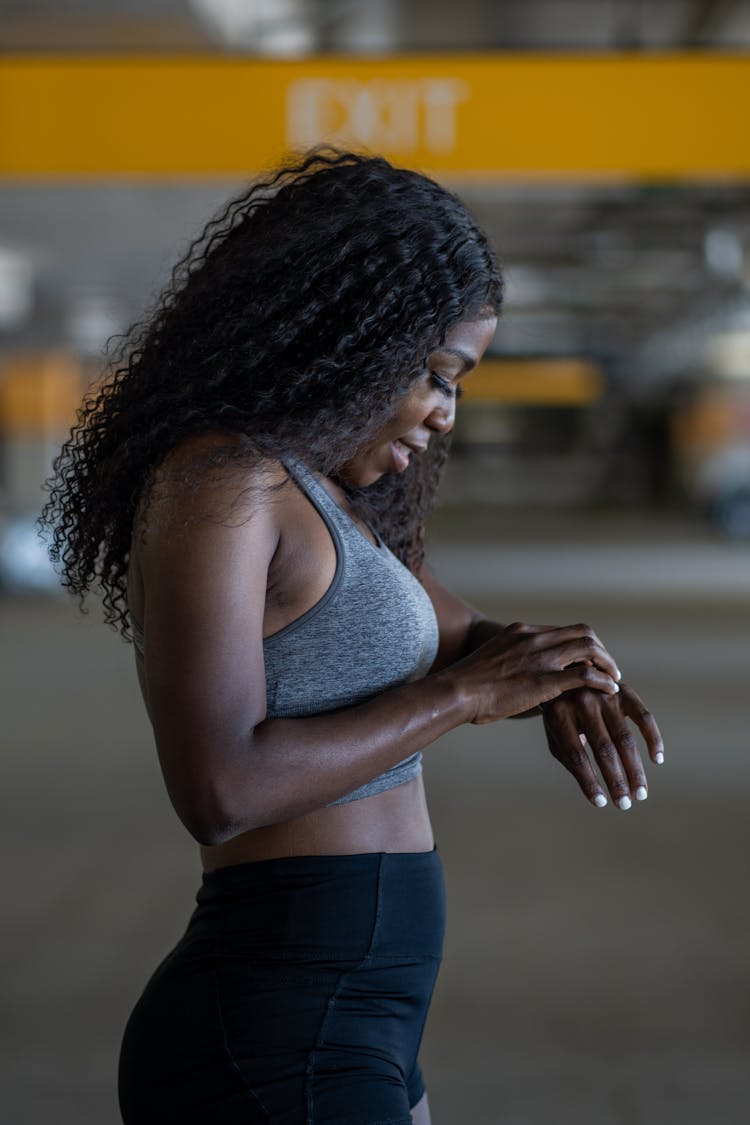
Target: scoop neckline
(378,545)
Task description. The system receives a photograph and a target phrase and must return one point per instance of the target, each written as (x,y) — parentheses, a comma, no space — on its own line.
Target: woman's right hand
(523,666)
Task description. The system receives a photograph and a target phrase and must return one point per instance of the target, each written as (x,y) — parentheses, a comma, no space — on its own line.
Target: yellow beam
(535,382)
(40,393)
(672,116)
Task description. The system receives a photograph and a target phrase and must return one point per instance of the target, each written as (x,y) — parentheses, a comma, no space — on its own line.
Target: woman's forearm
(231,773)
(292,766)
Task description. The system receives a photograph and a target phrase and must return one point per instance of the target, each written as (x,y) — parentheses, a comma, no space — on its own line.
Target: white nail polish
(659,758)
(641,793)
(617,688)
(619,673)
(600,800)
(624,803)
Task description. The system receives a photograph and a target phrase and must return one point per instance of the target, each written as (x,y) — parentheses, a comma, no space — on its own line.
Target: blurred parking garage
(596,967)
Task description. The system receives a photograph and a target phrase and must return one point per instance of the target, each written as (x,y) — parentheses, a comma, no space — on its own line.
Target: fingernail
(659,758)
(619,673)
(624,803)
(600,800)
(617,688)
(641,793)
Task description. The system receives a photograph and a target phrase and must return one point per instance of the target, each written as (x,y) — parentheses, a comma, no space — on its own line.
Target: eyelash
(447,388)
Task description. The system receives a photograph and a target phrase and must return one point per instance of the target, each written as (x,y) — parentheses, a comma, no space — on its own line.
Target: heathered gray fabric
(374,628)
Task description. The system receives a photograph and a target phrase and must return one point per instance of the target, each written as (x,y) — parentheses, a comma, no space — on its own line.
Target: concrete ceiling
(591,269)
(247,25)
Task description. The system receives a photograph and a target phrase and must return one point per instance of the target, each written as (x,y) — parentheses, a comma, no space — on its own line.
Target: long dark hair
(294,322)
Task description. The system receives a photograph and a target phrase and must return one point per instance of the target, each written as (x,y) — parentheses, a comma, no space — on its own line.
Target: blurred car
(711,434)
(25,566)
(723,485)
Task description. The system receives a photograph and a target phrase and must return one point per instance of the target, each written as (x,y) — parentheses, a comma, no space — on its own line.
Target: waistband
(348,906)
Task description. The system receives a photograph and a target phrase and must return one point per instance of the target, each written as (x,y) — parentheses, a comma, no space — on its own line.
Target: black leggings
(298,994)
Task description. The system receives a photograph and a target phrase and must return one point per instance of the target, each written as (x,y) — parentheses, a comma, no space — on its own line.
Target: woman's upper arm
(203,560)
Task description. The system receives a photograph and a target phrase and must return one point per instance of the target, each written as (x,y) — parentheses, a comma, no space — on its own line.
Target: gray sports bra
(373,628)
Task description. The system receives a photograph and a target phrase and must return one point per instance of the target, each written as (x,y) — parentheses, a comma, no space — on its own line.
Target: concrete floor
(597,968)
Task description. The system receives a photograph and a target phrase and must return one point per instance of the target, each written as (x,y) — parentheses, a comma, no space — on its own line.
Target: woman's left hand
(582,721)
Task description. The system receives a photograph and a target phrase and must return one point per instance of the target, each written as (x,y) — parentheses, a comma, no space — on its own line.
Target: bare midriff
(394,821)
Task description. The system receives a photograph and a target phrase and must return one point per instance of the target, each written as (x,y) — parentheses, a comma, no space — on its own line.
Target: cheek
(411,412)
(416,408)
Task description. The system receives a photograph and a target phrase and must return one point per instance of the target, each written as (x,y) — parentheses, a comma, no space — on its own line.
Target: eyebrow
(468,361)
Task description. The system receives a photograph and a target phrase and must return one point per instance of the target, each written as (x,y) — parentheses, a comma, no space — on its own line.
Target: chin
(363,479)
(362,474)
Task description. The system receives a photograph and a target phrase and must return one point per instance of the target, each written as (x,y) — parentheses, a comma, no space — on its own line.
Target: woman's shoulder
(215,476)
(219,459)
(206,467)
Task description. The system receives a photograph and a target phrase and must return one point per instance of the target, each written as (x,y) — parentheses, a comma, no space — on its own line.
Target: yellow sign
(535,382)
(461,116)
(40,393)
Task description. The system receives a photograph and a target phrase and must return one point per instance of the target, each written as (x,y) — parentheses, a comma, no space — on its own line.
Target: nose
(442,416)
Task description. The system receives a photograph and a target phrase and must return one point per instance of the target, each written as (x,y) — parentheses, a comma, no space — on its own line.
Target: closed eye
(447,388)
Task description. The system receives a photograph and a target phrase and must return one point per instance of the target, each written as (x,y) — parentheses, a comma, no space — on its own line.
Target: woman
(250,490)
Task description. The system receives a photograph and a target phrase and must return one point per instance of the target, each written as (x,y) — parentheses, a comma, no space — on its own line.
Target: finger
(627,748)
(562,633)
(524,628)
(566,746)
(549,686)
(607,757)
(583,641)
(580,674)
(633,706)
(577,653)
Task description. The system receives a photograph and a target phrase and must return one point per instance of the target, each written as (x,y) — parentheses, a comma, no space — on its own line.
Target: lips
(400,453)
(402,450)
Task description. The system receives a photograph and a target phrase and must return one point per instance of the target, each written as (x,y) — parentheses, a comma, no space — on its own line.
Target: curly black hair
(295,322)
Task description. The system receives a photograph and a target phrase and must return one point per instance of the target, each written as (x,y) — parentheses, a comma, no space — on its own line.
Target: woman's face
(429,407)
